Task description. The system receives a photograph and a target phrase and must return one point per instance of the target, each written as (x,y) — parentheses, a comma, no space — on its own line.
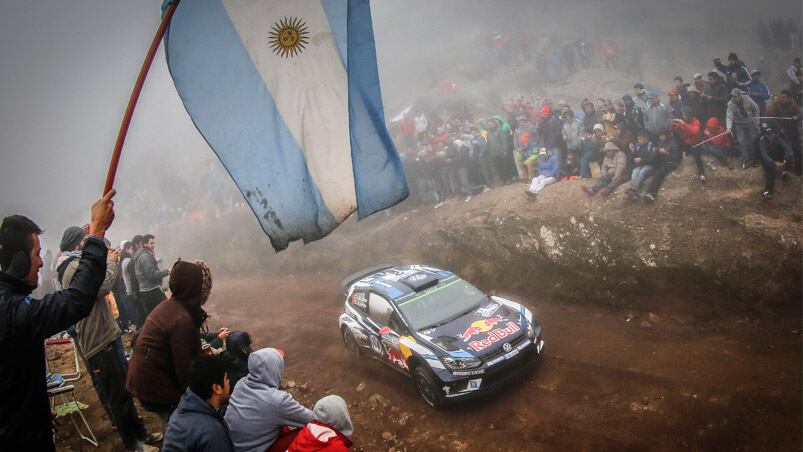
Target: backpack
(63,268)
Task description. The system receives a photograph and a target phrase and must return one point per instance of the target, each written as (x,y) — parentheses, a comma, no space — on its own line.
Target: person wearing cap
(716,96)
(658,117)
(25,322)
(736,73)
(548,172)
(758,91)
(775,155)
(641,99)
(694,100)
(170,340)
(614,171)
(741,119)
(97,336)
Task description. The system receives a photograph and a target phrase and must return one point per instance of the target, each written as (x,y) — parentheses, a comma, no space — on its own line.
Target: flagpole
(132,101)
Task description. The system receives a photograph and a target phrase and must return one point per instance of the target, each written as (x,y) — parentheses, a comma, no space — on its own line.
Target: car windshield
(440,304)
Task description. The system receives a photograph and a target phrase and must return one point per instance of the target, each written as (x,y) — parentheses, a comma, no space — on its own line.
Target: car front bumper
(494,377)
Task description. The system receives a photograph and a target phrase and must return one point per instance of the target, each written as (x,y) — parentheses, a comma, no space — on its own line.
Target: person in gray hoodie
(259,408)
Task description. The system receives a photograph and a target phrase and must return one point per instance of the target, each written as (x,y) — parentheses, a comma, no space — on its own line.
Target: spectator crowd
(213,392)
(728,114)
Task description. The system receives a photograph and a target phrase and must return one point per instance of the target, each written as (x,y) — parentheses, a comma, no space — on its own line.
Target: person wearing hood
(775,155)
(25,322)
(197,425)
(736,72)
(330,431)
(259,408)
(548,172)
(98,336)
(742,120)
(170,339)
(238,349)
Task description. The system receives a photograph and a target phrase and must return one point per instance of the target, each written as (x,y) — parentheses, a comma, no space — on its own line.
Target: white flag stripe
(310,90)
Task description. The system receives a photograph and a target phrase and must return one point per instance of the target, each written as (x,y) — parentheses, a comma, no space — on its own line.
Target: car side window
(359,300)
(396,324)
(379,309)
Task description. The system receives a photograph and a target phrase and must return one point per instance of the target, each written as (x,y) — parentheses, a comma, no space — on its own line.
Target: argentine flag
(287,95)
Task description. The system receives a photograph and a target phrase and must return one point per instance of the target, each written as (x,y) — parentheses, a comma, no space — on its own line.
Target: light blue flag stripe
(231,107)
(378,176)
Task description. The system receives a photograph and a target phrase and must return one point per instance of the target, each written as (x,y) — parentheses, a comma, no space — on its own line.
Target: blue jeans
(746,134)
(640,174)
(585,162)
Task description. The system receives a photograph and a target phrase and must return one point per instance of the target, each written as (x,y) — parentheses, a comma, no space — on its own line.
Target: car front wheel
(427,386)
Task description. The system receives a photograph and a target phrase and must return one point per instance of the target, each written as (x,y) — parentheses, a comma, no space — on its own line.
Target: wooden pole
(132,101)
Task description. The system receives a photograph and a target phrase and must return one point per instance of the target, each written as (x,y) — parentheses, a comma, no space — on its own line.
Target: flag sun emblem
(288,37)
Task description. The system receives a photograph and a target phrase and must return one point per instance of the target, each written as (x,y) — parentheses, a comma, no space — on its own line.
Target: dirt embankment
(718,241)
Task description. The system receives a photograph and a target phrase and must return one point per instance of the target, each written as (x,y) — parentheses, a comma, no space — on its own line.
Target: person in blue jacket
(758,91)
(548,172)
(736,73)
(25,322)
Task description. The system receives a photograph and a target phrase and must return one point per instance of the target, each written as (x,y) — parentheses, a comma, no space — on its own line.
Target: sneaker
(588,191)
(766,196)
(530,194)
(648,197)
(468,199)
(635,194)
(142,447)
(744,164)
(702,179)
(152,438)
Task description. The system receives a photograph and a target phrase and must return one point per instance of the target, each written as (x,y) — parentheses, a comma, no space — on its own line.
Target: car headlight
(461,363)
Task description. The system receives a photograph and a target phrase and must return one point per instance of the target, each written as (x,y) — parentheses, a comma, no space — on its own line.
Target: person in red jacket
(329,432)
(689,132)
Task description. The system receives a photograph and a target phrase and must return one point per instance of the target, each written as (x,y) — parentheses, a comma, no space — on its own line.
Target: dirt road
(609,379)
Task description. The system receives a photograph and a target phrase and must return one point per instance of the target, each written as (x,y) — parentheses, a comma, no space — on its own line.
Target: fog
(68,67)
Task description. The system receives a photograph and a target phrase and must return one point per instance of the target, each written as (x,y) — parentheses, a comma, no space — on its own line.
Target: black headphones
(15,255)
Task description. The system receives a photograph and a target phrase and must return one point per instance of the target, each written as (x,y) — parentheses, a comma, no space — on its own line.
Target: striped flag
(287,95)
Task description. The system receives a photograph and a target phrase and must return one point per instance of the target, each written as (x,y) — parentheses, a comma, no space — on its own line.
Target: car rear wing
(360,274)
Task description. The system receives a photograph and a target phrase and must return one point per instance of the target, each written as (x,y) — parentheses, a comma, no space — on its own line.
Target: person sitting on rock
(667,158)
(261,412)
(614,171)
(644,163)
(548,172)
(329,432)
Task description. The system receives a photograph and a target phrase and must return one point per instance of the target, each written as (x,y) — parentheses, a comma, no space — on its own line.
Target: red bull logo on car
(495,336)
(480,326)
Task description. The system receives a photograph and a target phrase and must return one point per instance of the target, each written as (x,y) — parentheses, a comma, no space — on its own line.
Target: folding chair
(70,407)
(71,376)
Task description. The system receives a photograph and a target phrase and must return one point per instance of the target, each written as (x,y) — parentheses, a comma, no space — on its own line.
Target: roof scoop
(420,281)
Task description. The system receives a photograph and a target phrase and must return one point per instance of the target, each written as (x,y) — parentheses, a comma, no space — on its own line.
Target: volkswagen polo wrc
(451,338)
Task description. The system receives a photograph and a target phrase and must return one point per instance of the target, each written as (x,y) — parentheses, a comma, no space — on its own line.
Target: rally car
(451,338)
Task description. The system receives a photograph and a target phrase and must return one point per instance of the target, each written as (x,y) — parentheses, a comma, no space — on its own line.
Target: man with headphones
(26,322)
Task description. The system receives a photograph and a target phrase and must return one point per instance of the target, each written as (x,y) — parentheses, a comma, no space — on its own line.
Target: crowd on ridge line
(213,392)
(728,113)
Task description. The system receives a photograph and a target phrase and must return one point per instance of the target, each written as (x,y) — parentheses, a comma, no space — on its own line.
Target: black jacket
(24,325)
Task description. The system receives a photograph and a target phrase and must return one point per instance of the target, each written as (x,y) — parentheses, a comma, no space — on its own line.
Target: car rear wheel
(351,343)
(427,386)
